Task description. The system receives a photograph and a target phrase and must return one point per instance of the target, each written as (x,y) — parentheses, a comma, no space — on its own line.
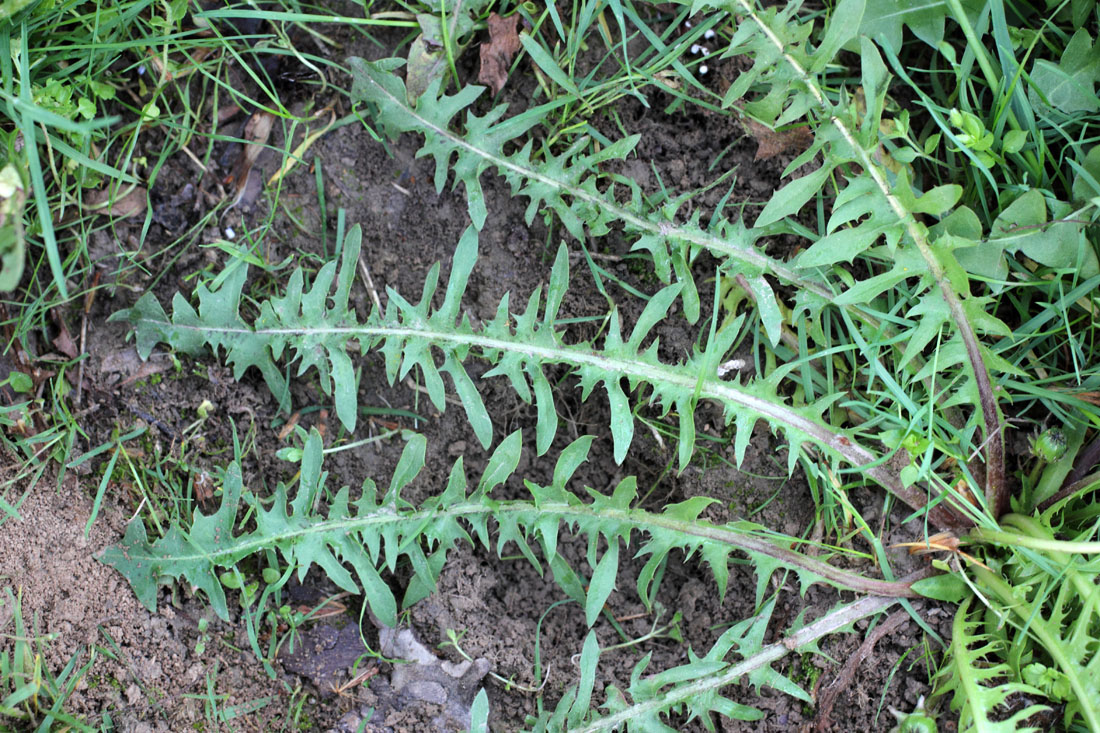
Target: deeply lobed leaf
(410,335)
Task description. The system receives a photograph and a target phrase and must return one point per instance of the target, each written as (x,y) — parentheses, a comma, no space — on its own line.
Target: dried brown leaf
(227,112)
(120,204)
(256,133)
(64,341)
(147,369)
(427,62)
(497,54)
(771,143)
(204,486)
(126,363)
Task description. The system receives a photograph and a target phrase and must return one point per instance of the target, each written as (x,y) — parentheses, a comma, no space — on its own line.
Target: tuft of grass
(33,696)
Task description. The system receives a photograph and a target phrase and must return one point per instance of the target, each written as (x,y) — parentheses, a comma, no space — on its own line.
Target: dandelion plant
(900,340)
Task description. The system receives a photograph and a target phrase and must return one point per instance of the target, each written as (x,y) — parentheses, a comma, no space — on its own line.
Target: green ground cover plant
(32,692)
(942,302)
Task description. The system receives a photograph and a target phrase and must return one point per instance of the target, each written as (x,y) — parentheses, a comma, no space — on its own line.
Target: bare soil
(149,675)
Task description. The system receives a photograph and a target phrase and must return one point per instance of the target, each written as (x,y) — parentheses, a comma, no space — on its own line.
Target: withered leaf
(427,62)
(227,112)
(121,203)
(771,143)
(126,362)
(256,133)
(147,369)
(64,341)
(497,54)
(204,487)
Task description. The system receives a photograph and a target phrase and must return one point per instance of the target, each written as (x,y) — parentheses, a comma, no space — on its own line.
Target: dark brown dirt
(148,674)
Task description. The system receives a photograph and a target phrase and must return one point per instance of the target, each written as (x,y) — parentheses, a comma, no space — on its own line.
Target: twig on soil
(194,159)
(365,272)
(419,388)
(577,256)
(829,695)
(147,417)
(355,681)
(137,511)
(88,300)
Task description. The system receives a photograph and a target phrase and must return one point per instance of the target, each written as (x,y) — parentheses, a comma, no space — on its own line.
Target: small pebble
(229,233)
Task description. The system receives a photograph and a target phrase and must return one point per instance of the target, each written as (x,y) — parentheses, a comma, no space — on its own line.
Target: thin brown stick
(369,282)
(828,696)
(1069,490)
(88,300)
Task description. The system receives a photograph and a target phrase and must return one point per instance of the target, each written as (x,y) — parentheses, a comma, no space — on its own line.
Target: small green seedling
(200,645)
